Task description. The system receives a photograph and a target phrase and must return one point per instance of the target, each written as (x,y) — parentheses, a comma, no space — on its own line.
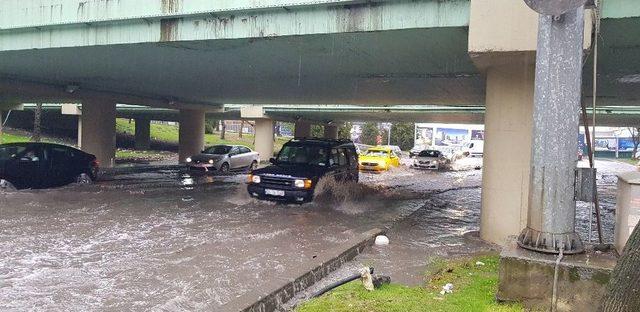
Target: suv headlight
(303,183)
(189,159)
(211,161)
(254,179)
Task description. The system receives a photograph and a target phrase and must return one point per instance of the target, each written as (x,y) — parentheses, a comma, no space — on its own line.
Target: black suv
(299,166)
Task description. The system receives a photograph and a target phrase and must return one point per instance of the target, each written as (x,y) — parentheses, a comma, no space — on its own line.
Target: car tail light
(95,163)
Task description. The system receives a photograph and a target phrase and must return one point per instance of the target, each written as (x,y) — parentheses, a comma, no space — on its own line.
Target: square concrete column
(302,129)
(330,131)
(97,132)
(507,150)
(264,138)
(191,133)
(627,207)
(143,134)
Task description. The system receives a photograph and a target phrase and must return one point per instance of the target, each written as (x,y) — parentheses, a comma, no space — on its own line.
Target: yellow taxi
(378,159)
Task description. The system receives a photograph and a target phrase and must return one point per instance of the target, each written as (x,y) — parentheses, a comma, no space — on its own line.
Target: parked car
(416,150)
(430,159)
(224,158)
(300,164)
(396,149)
(44,165)
(379,159)
(361,148)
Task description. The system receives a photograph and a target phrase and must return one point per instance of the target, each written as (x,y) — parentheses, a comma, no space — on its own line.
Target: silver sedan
(224,158)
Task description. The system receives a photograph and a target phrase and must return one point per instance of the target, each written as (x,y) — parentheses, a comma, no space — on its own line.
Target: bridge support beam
(302,129)
(330,131)
(507,149)
(191,133)
(97,131)
(264,138)
(143,134)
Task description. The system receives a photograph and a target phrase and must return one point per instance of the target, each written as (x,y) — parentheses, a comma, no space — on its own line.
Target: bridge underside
(414,66)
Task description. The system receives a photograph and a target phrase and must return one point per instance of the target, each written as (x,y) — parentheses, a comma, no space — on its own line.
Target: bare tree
(240,130)
(635,137)
(223,129)
(37,123)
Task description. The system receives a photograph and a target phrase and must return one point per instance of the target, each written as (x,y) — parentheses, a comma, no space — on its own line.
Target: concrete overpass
(608,116)
(196,55)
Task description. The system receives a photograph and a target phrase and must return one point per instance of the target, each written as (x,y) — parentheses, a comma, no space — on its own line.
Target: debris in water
(366,278)
(379,280)
(447,289)
(382,240)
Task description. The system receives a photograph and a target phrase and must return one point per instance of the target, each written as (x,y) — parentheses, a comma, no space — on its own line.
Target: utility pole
(558,85)
(37,123)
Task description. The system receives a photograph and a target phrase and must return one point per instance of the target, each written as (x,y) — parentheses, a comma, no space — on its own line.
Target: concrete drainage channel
(325,264)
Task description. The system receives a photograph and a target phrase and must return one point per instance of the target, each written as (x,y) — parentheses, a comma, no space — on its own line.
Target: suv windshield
(304,155)
(429,154)
(218,150)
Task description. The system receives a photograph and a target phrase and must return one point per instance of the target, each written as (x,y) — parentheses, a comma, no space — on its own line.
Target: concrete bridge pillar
(507,149)
(302,129)
(143,134)
(330,131)
(97,131)
(264,138)
(191,133)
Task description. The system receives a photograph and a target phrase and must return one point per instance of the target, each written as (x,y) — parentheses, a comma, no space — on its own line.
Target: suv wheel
(83,178)
(6,186)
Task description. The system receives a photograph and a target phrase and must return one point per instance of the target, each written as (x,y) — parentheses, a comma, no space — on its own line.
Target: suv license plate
(274,192)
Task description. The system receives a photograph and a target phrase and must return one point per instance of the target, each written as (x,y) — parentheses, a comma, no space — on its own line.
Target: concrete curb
(326,263)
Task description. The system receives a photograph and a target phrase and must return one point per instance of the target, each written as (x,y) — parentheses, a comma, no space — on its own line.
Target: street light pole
(552,205)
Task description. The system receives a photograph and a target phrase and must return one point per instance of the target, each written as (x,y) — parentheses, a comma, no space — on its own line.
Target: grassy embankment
(159,132)
(474,290)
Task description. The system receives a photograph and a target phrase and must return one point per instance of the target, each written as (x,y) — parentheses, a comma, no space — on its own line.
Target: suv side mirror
(273,160)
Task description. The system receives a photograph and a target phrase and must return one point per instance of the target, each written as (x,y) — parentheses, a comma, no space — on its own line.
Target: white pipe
(554,297)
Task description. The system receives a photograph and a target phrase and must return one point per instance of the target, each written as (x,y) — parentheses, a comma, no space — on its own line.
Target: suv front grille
(277,181)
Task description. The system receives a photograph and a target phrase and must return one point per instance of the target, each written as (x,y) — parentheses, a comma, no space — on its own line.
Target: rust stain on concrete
(171,6)
(169,29)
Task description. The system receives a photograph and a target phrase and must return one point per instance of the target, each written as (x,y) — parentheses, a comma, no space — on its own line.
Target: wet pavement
(167,241)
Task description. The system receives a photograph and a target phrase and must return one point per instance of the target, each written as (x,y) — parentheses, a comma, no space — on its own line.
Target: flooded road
(166,241)
(170,242)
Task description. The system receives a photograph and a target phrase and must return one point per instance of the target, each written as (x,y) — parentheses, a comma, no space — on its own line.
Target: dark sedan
(44,165)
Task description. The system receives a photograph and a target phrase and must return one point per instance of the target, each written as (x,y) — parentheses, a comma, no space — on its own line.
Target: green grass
(124,154)
(474,290)
(12,138)
(169,133)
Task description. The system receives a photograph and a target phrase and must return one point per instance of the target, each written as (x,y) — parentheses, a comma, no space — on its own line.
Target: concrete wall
(627,207)
(502,26)
(507,150)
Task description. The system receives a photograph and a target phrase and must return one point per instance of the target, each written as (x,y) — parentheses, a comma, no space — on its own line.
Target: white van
(475,148)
